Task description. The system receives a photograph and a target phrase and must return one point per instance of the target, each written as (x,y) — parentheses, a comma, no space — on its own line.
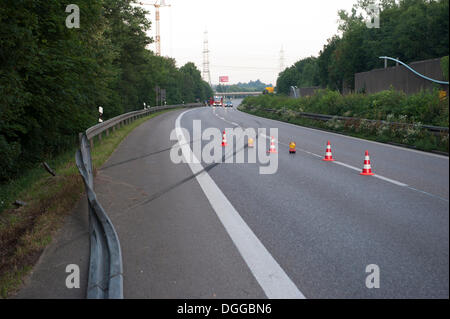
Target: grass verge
(412,137)
(26,231)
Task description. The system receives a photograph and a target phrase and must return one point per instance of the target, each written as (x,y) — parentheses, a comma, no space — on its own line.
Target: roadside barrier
(105,279)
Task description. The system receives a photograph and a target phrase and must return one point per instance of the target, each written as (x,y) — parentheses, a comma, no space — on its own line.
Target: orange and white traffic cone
(224,139)
(367,169)
(328,155)
(272,148)
(250,142)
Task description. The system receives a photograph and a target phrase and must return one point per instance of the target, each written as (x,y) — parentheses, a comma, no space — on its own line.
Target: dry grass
(26,231)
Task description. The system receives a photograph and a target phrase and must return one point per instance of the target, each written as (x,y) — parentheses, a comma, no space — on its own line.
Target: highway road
(308,231)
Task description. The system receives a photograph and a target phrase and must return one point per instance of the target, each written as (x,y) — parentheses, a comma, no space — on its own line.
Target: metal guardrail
(98,129)
(324,117)
(105,279)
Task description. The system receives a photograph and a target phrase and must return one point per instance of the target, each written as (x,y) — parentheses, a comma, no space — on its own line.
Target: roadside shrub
(405,113)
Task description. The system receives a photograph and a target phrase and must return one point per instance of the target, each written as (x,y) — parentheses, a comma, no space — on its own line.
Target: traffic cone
(272,148)
(367,169)
(250,142)
(328,155)
(224,139)
(292,148)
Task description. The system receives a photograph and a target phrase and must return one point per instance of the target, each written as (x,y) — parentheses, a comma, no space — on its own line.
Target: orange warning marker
(367,169)
(292,148)
(224,139)
(328,155)
(272,148)
(250,142)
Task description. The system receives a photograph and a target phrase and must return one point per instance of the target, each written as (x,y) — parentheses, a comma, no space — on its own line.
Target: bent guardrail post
(105,279)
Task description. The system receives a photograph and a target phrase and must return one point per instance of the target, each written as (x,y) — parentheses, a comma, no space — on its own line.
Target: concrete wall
(401,78)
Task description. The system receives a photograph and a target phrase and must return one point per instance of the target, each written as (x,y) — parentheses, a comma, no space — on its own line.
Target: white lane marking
(352,167)
(348,166)
(270,276)
(429,194)
(225,120)
(393,181)
(352,137)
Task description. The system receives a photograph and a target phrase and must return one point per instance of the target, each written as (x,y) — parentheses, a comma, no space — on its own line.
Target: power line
(244,67)
(281,59)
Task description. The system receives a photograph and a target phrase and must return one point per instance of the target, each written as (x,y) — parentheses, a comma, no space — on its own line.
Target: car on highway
(228,104)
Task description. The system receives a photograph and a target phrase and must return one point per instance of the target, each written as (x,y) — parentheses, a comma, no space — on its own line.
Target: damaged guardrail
(105,280)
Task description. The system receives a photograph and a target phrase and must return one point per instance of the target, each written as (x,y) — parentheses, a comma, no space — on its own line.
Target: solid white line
(270,276)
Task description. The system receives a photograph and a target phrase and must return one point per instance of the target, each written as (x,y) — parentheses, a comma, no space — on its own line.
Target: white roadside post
(100,111)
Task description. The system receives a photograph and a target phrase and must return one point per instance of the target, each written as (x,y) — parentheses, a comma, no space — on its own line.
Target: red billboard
(223,78)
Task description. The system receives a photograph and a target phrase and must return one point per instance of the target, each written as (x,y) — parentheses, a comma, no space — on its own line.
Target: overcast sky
(246,36)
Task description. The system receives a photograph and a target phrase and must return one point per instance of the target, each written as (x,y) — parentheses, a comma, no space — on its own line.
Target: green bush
(389,105)
(392,106)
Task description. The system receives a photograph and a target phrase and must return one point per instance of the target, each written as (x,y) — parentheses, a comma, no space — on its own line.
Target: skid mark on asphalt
(137,158)
(172,187)
(209,167)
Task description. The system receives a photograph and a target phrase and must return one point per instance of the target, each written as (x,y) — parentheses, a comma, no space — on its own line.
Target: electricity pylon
(206,74)
(281,59)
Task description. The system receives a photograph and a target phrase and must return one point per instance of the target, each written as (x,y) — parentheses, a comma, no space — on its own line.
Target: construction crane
(157,5)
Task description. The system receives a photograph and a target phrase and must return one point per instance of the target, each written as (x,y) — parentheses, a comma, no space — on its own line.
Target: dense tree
(303,73)
(410,30)
(251,86)
(52,78)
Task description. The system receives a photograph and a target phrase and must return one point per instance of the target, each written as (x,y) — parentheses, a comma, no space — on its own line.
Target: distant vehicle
(268,90)
(218,101)
(228,104)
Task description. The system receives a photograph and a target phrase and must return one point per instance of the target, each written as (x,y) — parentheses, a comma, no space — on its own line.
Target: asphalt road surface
(202,230)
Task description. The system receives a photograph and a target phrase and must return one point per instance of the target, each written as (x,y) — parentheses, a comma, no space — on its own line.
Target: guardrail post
(100,137)
(107,132)
(91,141)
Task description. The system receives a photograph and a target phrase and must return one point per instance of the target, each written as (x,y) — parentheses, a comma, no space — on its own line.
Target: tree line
(54,78)
(251,86)
(410,30)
